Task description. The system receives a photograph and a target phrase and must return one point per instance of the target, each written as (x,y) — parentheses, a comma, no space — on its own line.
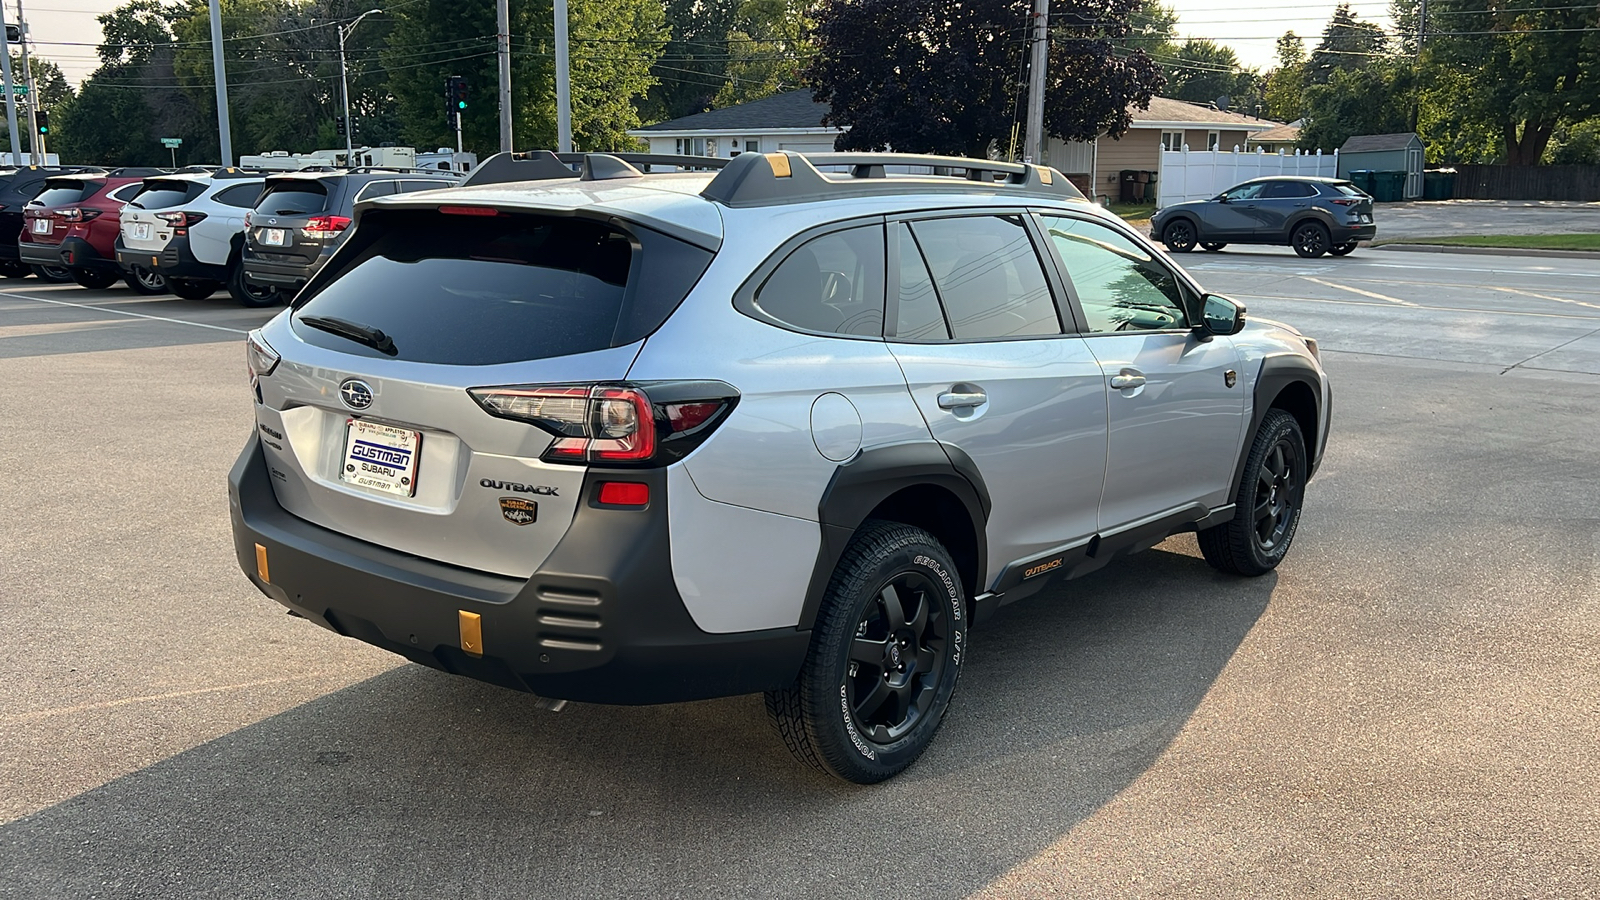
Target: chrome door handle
(962,399)
(1127,378)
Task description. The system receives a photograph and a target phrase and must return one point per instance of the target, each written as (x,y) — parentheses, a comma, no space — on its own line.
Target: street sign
(21,89)
(172,143)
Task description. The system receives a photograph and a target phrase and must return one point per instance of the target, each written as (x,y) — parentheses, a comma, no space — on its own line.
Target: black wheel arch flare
(936,486)
(1291,383)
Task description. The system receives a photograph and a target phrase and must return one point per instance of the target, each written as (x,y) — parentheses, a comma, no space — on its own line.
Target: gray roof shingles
(1366,143)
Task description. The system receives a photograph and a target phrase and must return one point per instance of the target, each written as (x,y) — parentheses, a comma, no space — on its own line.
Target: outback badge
(519,511)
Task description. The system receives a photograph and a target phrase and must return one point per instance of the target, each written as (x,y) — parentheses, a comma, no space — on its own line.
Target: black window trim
(744,299)
(1067,315)
(1198,294)
(891,289)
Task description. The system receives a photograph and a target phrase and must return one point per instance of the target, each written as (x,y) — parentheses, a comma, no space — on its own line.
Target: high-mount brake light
(612,423)
(324,227)
(469,211)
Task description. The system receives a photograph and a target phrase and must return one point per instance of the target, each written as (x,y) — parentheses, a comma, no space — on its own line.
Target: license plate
(41,226)
(141,231)
(274,237)
(381,457)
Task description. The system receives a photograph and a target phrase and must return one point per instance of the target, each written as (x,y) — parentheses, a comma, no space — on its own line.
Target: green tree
(693,65)
(1518,69)
(1204,71)
(1374,99)
(767,50)
(1576,145)
(1348,44)
(934,77)
(1286,82)
(1153,28)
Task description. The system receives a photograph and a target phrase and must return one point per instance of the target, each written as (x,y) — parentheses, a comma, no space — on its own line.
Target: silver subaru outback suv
(789,425)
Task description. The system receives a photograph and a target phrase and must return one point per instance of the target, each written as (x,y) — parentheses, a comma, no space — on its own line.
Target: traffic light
(43,120)
(339,126)
(13,33)
(455,98)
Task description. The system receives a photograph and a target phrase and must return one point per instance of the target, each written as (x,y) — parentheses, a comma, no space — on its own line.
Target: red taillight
(1347,202)
(623,493)
(609,423)
(180,221)
(76,214)
(324,227)
(468,211)
(247,218)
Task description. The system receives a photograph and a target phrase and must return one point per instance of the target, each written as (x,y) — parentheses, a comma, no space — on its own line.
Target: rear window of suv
(1348,189)
(162,194)
(479,290)
(62,193)
(294,198)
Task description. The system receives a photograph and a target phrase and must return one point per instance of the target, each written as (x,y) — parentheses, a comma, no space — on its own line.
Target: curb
(1490,251)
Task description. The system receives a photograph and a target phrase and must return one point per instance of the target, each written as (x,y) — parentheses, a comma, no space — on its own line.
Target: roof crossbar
(769,179)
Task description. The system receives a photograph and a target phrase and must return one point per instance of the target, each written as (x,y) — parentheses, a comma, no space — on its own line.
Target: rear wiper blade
(355,331)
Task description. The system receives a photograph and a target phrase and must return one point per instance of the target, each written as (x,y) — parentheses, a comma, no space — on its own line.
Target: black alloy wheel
(145,281)
(886,652)
(249,294)
(94,279)
(1179,236)
(13,268)
(1214,246)
(1310,240)
(1267,502)
(1343,249)
(52,274)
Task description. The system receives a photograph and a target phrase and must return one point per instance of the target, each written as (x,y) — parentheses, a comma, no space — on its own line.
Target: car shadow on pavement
(415,783)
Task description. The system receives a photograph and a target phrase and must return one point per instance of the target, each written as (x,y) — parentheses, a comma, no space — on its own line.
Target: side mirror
(1220,315)
(1222,198)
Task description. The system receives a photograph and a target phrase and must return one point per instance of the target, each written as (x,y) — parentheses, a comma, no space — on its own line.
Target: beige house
(1283,138)
(793,121)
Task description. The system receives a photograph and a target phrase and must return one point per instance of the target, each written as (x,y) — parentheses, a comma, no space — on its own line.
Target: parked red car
(74,223)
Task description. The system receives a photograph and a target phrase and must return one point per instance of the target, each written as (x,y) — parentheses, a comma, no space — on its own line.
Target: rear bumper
(175,260)
(600,621)
(287,274)
(1346,234)
(39,254)
(77,253)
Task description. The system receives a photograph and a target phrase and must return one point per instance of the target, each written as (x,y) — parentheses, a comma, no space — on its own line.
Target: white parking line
(1547,297)
(122,312)
(1360,291)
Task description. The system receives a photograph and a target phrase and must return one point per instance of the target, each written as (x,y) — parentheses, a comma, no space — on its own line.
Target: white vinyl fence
(1203,174)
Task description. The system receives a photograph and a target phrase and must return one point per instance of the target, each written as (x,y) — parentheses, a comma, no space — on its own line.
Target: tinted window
(833,283)
(243,196)
(1121,286)
(62,193)
(162,194)
(474,290)
(988,276)
(919,317)
(1249,191)
(407,187)
(376,189)
(293,198)
(1348,189)
(1288,190)
(124,193)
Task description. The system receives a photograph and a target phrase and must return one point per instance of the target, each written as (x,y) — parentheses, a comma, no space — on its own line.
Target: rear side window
(407,187)
(243,196)
(832,284)
(293,198)
(162,194)
(1288,190)
(375,189)
(1348,189)
(482,290)
(988,276)
(62,193)
(918,316)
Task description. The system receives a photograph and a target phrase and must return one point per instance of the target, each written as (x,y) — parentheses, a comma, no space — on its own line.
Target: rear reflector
(471,632)
(261,563)
(468,211)
(623,493)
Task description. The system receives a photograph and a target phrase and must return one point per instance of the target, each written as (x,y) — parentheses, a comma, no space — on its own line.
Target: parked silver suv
(642,438)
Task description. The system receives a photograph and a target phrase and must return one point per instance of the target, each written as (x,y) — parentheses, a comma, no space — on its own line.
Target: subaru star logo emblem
(355,393)
(272,221)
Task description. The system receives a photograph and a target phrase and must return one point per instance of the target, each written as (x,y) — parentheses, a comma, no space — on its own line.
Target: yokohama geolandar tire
(886,652)
(1266,502)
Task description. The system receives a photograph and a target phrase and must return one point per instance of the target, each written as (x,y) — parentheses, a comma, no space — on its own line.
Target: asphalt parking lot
(1409,707)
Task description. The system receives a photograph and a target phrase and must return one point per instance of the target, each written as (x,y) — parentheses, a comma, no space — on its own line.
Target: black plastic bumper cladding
(175,260)
(600,621)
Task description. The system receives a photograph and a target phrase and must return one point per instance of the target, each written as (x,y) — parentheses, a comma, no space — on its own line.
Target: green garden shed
(1385,153)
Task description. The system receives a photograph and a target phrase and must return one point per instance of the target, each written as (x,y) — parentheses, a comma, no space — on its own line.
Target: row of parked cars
(259,235)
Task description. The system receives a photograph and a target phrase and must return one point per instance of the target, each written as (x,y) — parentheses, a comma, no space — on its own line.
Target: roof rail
(137,172)
(769,179)
(543,165)
(403,170)
(528,165)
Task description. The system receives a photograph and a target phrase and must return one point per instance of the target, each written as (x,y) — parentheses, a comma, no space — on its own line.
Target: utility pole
(502,20)
(224,133)
(11,101)
(344,87)
(1033,145)
(563,89)
(36,141)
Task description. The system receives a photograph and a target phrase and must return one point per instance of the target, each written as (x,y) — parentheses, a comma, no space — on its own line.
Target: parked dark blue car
(1312,215)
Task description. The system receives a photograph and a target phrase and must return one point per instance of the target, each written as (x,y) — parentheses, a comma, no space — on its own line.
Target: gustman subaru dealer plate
(381,457)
